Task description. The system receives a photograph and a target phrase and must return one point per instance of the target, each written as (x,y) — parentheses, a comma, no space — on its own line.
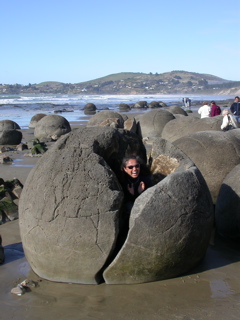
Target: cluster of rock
(71,229)
(10,192)
(170,223)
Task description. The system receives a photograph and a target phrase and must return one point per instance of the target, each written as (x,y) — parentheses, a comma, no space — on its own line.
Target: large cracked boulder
(227,212)
(71,207)
(51,126)
(169,231)
(151,124)
(215,154)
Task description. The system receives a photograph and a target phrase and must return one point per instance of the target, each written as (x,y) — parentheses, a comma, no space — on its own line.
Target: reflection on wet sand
(210,291)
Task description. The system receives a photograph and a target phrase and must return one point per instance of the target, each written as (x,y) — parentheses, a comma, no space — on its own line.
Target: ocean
(21,108)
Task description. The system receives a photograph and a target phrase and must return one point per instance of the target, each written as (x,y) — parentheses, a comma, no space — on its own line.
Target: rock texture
(151,124)
(215,153)
(169,231)
(51,126)
(70,205)
(227,212)
(182,126)
(101,118)
(34,120)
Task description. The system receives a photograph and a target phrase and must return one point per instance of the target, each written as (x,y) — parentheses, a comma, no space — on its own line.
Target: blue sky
(78,40)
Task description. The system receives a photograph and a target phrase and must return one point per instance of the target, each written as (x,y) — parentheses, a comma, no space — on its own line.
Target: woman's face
(132,168)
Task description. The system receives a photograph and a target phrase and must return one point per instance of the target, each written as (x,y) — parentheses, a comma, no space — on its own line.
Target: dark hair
(126,159)
(213,102)
(237,97)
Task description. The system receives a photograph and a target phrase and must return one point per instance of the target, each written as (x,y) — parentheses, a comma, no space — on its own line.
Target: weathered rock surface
(175,109)
(51,125)
(10,137)
(165,159)
(34,120)
(103,116)
(227,211)
(70,205)
(181,126)
(170,226)
(215,154)
(8,125)
(151,124)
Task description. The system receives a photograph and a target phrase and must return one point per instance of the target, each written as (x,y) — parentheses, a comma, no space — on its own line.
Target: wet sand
(210,291)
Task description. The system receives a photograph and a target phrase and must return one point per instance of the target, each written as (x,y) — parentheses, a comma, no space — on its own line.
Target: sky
(73,41)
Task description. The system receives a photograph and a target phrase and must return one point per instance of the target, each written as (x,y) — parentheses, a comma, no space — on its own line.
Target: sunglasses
(136,166)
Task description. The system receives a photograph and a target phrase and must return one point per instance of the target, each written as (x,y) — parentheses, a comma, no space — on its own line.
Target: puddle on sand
(17,163)
(220,289)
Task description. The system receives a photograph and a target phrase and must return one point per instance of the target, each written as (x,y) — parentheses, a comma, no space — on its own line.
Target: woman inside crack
(136,179)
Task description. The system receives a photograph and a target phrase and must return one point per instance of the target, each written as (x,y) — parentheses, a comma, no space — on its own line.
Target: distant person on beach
(229,121)
(204,110)
(187,103)
(215,110)
(235,108)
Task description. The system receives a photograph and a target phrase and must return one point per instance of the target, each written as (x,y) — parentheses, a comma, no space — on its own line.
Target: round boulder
(34,120)
(154,104)
(140,105)
(51,126)
(175,109)
(8,125)
(227,211)
(151,124)
(102,117)
(90,108)
(123,107)
(10,137)
(214,153)
(70,205)
(183,126)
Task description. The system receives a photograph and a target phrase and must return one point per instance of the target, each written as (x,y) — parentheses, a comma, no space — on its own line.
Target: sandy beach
(210,291)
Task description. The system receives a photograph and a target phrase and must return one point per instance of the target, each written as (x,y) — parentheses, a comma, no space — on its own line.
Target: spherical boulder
(227,211)
(182,126)
(124,107)
(8,125)
(214,153)
(10,137)
(140,105)
(175,109)
(90,108)
(154,104)
(51,126)
(151,124)
(34,120)
(70,205)
(104,115)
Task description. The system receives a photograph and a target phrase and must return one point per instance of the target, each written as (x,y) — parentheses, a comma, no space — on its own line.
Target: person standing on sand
(204,110)
(235,108)
(215,110)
